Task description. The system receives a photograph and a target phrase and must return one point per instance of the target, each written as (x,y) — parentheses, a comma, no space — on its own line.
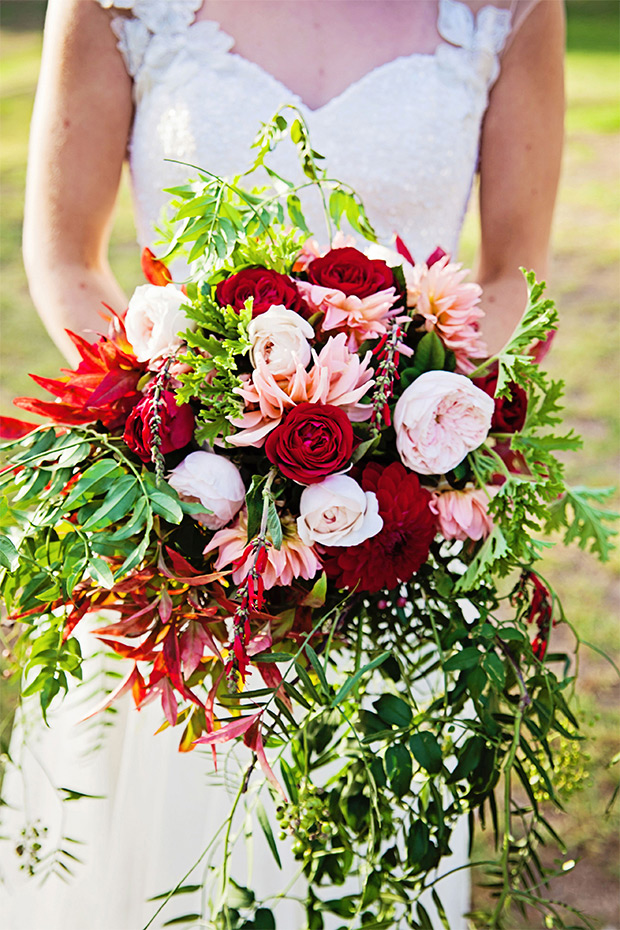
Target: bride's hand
(520,156)
(78,141)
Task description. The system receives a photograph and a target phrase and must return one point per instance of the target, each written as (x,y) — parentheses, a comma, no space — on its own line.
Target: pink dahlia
(396,553)
(360,318)
(450,307)
(336,376)
(293,560)
(462,514)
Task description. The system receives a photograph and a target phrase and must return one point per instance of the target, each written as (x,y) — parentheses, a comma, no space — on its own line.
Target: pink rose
(462,514)
(439,419)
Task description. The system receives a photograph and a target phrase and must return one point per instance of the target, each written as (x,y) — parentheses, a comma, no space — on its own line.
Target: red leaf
(229,731)
(169,703)
(254,739)
(402,249)
(154,271)
(125,685)
(10,428)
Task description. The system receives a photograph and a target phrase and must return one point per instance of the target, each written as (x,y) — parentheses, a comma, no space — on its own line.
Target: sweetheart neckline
(430,56)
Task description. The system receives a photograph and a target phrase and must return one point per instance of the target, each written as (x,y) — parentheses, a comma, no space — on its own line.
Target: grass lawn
(585,280)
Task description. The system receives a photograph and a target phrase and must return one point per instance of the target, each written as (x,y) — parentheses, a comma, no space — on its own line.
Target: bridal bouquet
(309,509)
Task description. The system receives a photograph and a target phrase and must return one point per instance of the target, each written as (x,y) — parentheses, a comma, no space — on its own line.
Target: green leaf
(430,355)
(393,710)
(9,556)
(440,909)
(318,668)
(264,919)
(117,503)
(354,680)
(274,526)
(494,667)
(266,828)
(92,476)
(426,751)
(399,768)
(100,571)
(466,658)
(166,506)
(587,525)
(254,504)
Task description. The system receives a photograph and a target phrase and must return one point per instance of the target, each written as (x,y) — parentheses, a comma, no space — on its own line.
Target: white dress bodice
(405,136)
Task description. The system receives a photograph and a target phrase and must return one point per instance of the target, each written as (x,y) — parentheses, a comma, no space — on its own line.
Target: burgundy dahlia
(268,288)
(396,553)
(350,271)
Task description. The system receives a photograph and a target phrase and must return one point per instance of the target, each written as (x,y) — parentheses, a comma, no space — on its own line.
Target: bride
(407,99)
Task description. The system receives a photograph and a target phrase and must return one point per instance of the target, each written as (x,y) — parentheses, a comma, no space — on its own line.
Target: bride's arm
(80,126)
(520,157)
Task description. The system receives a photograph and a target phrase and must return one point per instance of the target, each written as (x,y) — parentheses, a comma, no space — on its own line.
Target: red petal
(154,271)
(10,428)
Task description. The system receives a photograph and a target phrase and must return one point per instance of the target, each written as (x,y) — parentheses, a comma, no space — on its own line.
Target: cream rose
(154,319)
(337,512)
(280,336)
(439,419)
(212,480)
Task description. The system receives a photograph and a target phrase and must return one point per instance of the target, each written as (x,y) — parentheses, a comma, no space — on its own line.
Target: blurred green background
(585,280)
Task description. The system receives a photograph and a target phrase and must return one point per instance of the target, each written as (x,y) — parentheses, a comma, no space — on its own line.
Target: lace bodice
(405,136)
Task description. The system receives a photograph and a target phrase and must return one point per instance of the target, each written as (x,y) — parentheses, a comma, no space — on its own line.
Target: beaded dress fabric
(406,137)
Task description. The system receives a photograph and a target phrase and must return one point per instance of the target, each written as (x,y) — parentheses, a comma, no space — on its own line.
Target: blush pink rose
(439,419)
(215,482)
(337,512)
(462,514)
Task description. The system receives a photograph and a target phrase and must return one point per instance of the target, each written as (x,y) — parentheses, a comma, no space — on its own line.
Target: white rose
(439,419)
(154,319)
(280,336)
(336,512)
(215,482)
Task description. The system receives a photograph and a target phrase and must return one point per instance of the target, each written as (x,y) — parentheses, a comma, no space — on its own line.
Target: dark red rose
(348,270)
(175,429)
(510,412)
(268,288)
(313,441)
(396,553)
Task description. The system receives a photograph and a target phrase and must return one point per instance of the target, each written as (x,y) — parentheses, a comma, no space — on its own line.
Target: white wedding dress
(406,137)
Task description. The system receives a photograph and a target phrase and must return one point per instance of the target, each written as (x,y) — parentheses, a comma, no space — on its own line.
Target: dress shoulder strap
(138,21)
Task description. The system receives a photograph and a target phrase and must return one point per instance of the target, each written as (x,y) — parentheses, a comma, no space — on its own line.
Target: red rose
(175,429)
(510,412)
(348,270)
(313,441)
(268,288)
(396,553)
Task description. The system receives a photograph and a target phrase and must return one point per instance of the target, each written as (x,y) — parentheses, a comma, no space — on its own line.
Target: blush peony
(462,514)
(154,320)
(337,512)
(280,336)
(396,553)
(212,480)
(439,419)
